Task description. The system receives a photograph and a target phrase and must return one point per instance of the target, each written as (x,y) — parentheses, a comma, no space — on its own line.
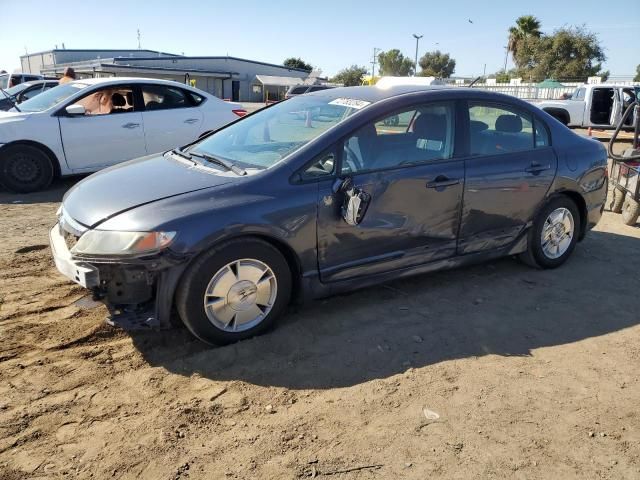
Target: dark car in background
(24,91)
(302,89)
(320,194)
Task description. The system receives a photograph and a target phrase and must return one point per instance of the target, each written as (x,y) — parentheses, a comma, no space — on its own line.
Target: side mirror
(75,110)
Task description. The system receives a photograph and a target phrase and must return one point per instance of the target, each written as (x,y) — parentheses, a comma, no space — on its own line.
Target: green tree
(501,76)
(351,76)
(395,64)
(297,62)
(604,75)
(637,77)
(437,64)
(571,53)
(526,27)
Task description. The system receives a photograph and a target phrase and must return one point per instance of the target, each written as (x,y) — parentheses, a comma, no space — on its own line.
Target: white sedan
(87,125)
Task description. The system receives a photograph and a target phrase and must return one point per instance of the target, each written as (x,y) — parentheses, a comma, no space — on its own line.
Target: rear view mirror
(75,109)
(355,203)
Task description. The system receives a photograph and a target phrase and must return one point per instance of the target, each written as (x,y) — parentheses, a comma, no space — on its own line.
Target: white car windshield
(51,97)
(263,139)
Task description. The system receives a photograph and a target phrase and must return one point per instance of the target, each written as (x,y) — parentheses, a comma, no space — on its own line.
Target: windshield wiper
(218,161)
(180,153)
(11,100)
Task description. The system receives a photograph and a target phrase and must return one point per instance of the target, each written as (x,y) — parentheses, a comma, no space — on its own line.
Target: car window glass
(160,97)
(416,135)
(498,129)
(271,134)
(542,134)
(323,166)
(32,92)
(299,90)
(580,94)
(106,101)
(195,98)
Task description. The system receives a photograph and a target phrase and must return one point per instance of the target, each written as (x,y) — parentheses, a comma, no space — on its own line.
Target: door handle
(536,168)
(131,125)
(191,120)
(442,181)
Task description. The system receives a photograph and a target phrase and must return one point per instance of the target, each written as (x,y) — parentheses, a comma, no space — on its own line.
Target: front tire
(235,291)
(25,169)
(554,234)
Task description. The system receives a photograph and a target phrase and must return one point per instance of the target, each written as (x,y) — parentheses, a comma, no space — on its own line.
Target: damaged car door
(397,200)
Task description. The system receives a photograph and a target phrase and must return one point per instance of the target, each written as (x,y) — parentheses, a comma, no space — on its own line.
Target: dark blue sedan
(324,193)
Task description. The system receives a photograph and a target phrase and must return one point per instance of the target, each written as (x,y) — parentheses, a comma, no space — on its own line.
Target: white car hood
(7,117)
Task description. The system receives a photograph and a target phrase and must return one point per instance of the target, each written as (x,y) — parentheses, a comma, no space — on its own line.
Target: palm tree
(526,26)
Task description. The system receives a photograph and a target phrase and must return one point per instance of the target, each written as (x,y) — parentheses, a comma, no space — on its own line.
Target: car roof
(138,80)
(375,94)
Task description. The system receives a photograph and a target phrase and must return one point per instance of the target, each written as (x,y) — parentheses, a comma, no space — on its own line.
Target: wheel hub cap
(240,295)
(557,233)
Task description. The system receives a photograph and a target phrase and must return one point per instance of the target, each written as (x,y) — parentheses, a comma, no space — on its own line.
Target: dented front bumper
(137,291)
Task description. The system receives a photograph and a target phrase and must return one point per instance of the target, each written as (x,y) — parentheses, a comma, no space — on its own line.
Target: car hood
(138,182)
(8,117)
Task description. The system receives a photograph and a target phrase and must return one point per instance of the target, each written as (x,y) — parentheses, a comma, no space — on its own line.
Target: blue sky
(328,34)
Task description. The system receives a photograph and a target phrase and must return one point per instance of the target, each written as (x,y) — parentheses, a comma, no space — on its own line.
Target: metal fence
(529,91)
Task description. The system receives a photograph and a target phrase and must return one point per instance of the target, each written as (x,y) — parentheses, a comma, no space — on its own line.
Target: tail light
(239,112)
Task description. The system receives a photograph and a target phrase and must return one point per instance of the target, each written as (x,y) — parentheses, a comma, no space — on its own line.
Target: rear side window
(542,134)
(317,88)
(299,90)
(195,98)
(496,129)
(161,97)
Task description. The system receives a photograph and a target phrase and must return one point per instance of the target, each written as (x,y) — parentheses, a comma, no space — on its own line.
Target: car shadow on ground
(53,194)
(501,308)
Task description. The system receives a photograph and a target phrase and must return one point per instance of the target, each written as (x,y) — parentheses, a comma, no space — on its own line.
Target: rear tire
(25,169)
(553,235)
(630,211)
(618,200)
(235,291)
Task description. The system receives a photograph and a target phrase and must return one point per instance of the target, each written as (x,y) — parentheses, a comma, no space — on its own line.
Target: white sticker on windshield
(350,102)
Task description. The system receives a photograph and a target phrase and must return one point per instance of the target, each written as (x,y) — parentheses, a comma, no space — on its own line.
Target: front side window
(108,101)
(416,135)
(161,97)
(266,137)
(496,129)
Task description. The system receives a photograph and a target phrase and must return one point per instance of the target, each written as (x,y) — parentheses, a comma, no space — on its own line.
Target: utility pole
(417,37)
(139,39)
(373,63)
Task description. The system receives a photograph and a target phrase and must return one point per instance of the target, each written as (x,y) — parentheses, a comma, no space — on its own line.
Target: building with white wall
(233,78)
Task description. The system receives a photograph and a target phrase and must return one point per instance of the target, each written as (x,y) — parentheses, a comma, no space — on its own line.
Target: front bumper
(137,292)
(80,272)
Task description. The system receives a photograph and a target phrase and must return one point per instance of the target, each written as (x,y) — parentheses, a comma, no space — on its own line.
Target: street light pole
(417,37)
(373,63)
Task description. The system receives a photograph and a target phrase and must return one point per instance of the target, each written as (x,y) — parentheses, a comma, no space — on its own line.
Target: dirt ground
(494,371)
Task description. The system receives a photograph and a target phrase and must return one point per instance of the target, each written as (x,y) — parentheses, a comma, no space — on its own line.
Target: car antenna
(10,99)
(472,83)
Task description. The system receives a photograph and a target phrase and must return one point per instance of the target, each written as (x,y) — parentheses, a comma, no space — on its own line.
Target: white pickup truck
(598,105)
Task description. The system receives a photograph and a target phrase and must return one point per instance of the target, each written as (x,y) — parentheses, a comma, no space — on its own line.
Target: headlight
(103,242)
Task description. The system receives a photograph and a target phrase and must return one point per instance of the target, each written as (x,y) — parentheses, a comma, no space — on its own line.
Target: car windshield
(51,97)
(263,139)
(13,91)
